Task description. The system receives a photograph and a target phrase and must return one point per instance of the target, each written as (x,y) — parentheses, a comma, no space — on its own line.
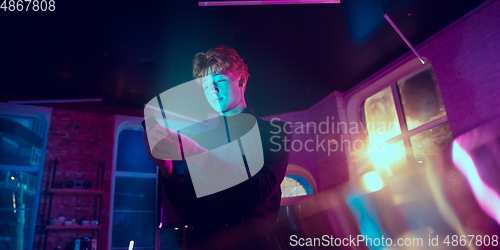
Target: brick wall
(465,57)
(332,162)
(329,169)
(79,141)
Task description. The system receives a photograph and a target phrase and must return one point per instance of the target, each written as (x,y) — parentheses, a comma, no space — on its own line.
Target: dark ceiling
(126,52)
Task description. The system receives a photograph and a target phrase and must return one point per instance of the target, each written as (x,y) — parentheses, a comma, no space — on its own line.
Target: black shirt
(257,197)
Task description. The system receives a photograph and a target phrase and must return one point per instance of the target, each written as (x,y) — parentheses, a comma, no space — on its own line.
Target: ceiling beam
(265,2)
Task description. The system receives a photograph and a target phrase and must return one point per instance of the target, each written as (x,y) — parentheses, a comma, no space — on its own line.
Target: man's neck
(238,109)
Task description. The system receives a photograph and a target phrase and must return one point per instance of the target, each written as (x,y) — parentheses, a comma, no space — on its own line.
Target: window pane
(17,196)
(381,118)
(283,213)
(292,188)
(305,184)
(295,185)
(20,141)
(390,157)
(421,98)
(171,239)
(135,193)
(139,227)
(289,212)
(132,153)
(289,188)
(431,142)
(308,189)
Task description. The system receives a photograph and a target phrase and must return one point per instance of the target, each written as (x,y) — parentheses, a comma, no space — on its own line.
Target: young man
(239,217)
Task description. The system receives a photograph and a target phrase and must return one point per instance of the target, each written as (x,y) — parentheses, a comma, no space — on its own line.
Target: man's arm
(165,165)
(241,197)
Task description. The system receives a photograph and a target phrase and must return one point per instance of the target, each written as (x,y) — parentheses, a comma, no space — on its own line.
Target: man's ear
(242,81)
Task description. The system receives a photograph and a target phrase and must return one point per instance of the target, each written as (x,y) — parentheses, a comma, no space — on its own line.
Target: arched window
(297,182)
(295,185)
(134,187)
(135,194)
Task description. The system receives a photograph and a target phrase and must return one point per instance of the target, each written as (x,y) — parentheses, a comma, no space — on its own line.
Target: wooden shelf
(64,191)
(72,227)
(94,210)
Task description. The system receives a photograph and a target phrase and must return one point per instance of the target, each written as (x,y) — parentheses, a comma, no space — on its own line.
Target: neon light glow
(487,198)
(265,2)
(14,201)
(366,216)
(131,245)
(161,224)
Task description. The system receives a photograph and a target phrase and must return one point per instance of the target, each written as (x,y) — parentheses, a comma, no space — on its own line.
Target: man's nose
(214,90)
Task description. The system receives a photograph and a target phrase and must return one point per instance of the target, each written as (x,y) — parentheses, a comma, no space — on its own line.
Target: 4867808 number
(477,240)
(28,5)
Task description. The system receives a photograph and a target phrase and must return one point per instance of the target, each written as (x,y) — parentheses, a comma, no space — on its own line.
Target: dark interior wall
(318,125)
(465,57)
(301,157)
(79,141)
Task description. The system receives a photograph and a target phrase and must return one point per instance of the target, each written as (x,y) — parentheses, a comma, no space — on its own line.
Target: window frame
(298,170)
(387,77)
(128,123)
(44,115)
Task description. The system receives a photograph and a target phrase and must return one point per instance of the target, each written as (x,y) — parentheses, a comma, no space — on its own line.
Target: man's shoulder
(274,124)
(273,127)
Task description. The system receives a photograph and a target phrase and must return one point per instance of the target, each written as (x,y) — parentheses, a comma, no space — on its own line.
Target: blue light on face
(214,89)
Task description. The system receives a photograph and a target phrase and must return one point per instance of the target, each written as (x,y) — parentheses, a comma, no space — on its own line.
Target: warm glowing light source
(392,155)
(372,182)
(176,228)
(12,178)
(131,245)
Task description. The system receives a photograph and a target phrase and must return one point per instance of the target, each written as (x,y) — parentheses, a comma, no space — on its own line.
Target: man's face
(223,92)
